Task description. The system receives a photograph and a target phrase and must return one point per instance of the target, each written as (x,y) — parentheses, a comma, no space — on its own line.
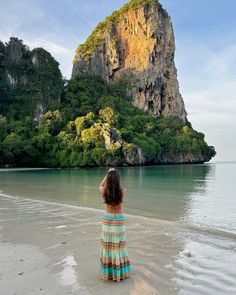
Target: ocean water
(202,195)
(197,200)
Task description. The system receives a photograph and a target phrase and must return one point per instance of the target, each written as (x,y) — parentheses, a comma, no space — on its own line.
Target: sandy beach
(54,249)
(50,248)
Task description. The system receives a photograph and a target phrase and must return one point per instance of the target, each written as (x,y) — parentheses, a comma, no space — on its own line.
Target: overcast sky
(205,34)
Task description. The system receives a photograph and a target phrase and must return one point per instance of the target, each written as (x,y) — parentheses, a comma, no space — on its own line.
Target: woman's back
(114,258)
(117,209)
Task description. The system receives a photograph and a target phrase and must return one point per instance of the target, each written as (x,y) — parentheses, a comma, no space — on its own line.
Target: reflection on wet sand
(68,238)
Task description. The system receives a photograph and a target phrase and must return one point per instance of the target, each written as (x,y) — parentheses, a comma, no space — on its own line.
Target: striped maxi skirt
(114,260)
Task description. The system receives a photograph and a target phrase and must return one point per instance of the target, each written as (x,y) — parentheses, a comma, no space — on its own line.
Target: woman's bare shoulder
(101,189)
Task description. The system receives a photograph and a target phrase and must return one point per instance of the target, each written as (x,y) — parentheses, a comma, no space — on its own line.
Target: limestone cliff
(136,43)
(30,78)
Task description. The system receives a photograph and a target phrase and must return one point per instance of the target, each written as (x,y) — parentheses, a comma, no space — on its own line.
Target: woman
(115,264)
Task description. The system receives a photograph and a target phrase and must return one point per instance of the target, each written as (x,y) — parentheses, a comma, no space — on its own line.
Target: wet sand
(49,248)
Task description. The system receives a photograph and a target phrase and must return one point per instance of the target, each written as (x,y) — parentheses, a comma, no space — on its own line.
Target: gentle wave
(52,203)
(209,230)
(183,226)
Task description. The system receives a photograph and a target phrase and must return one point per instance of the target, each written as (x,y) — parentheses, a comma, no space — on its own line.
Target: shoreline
(164,222)
(8,167)
(63,241)
(53,248)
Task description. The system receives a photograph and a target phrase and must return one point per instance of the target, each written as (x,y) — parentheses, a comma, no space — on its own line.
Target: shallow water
(195,204)
(203,195)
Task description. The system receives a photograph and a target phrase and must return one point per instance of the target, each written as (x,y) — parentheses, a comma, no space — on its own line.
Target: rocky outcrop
(40,58)
(12,81)
(133,155)
(182,158)
(137,44)
(112,138)
(14,53)
(33,76)
(15,50)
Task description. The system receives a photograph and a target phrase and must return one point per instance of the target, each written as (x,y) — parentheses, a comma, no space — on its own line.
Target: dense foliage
(95,124)
(30,81)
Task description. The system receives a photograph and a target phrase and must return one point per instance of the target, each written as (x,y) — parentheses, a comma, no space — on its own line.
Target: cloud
(205,56)
(17,15)
(207,82)
(30,21)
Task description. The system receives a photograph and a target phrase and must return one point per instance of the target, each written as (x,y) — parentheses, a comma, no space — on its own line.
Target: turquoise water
(203,195)
(194,205)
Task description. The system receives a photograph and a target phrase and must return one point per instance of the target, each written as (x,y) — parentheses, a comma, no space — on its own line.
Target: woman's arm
(123,193)
(102,184)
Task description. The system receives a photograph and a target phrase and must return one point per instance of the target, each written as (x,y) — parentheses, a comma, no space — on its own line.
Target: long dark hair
(113,192)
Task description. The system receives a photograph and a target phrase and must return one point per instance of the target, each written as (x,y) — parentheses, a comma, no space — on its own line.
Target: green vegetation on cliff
(96,38)
(30,81)
(86,123)
(97,125)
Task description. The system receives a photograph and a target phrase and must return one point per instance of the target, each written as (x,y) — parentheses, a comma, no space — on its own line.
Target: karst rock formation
(136,44)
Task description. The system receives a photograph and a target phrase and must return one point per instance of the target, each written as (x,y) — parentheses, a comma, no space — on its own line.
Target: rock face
(137,44)
(14,53)
(31,76)
(15,50)
(182,158)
